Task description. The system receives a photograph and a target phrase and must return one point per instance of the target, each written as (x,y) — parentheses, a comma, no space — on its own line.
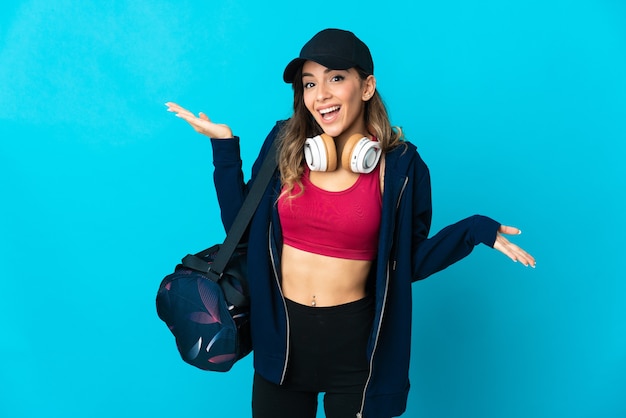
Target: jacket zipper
(380,321)
(287,348)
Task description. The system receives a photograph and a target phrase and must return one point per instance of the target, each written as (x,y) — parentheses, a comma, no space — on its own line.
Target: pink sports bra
(342,224)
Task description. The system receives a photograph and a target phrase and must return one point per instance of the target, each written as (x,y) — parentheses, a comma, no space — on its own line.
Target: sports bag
(212,330)
(205,301)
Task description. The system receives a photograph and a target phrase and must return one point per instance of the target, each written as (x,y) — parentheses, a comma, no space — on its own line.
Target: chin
(332,130)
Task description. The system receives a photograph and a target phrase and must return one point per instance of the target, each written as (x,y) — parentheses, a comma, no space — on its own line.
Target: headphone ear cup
(361,154)
(320,153)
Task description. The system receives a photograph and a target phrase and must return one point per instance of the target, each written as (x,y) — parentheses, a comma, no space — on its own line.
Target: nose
(323,92)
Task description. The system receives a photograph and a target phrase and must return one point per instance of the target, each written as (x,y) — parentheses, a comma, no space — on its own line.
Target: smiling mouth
(330,112)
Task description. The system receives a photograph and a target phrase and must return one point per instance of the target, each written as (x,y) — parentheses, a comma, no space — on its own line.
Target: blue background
(518,107)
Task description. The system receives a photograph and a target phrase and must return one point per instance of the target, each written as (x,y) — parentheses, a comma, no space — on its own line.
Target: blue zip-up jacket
(405,254)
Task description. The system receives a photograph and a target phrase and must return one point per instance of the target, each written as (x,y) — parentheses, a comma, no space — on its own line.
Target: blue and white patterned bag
(208,314)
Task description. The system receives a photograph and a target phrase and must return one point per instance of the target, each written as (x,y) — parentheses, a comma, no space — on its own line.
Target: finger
(171,106)
(174,108)
(501,244)
(509,230)
(189,117)
(196,123)
(204,117)
(514,252)
(524,257)
(519,254)
(185,114)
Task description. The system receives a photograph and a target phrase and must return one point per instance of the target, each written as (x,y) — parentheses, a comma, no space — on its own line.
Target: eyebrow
(326,71)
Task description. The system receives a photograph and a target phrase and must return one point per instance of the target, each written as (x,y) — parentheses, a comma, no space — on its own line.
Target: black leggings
(327,354)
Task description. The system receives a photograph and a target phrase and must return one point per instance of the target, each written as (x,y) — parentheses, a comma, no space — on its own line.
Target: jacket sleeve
(230,186)
(453,242)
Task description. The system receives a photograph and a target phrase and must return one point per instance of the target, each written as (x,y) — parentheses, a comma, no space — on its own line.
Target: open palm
(200,123)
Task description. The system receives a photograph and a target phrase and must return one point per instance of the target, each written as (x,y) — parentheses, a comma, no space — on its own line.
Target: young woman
(339,236)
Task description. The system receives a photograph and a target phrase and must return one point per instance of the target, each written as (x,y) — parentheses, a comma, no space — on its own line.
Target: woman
(337,240)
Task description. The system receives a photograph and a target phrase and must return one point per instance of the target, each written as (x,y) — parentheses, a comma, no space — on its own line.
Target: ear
(369,87)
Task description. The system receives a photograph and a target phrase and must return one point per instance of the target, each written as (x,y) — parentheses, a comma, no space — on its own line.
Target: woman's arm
(230,186)
(228,176)
(456,241)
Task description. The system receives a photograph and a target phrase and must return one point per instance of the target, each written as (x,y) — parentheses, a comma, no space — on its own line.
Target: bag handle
(233,295)
(240,223)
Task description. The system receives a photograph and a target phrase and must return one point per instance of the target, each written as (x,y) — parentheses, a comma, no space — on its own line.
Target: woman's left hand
(511,250)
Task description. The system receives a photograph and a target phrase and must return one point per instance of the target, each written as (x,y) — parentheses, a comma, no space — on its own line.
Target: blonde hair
(302,125)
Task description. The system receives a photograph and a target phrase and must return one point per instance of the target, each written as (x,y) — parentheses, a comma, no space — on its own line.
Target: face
(336,98)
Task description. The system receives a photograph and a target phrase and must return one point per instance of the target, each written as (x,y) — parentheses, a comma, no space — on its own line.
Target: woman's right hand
(201,123)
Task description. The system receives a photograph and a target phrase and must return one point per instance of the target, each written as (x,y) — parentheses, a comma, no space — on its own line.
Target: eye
(308,85)
(337,78)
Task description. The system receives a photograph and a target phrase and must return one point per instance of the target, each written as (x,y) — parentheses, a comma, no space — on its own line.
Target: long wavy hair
(302,125)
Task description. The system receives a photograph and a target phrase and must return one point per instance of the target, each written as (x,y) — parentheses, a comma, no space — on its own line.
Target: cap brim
(291,69)
(334,63)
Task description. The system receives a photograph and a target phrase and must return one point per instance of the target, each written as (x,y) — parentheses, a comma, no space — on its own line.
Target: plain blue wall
(518,107)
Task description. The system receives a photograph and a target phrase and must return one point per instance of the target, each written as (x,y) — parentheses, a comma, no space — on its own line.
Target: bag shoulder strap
(241,221)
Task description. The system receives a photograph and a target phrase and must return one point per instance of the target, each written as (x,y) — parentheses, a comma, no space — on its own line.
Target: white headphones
(360,153)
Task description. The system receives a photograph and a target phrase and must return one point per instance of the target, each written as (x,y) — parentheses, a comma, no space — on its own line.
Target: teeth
(328,110)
